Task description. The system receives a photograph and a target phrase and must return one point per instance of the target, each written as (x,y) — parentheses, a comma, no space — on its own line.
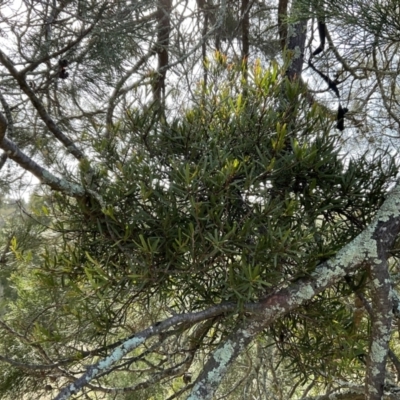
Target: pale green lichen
(68,187)
(323,275)
(361,247)
(11,154)
(376,283)
(222,357)
(378,352)
(372,389)
(297,52)
(291,31)
(305,293)
(105,364)
(364,244)
(120,351)
(396,301)
(391,206)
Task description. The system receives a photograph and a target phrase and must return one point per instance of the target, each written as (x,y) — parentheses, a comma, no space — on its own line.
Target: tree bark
(163,32)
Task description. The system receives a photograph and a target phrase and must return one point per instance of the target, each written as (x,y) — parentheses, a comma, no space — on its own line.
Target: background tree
(199,212)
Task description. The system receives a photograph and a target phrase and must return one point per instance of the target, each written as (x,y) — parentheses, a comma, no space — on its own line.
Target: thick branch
(282,23)
(245,11)
(297,33)
(219,362)
(3,160)
(380,331)
(135,341)
(381,321)
(370,245)
(164,30)
(3,126)
(364,247)
(42,174)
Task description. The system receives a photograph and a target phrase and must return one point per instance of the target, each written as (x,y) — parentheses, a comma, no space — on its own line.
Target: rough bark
(296,45)
(3,126)
(163,32)
(282,25)
(245,11)
(381,318)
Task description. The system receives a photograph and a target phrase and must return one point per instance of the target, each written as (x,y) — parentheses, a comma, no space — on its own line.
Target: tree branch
(45,176)
(381,321)
(369,246)
(135,341)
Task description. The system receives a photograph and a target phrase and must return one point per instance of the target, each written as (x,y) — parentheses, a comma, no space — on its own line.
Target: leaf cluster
(225,201)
